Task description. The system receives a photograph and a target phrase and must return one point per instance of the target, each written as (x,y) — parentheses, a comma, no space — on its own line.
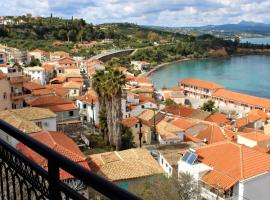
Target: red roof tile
(61,144)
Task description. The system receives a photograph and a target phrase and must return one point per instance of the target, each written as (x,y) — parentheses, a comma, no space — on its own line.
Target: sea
(247,74)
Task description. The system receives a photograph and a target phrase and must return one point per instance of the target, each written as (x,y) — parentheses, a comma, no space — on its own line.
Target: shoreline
(160,66)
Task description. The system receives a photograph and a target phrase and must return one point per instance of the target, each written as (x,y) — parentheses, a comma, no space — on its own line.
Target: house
(66,111)
(29,87)
(42,117)
(136,126)
(37,54)
(74,89)
(58,54)
(140,81)
(208,135)
(228,170)
(234,101)
(140,65)
(168,133)
(89,107)
(18,122)
(145,102)
(3,58)
(253,139)
(176,94)
(183,111)
(16,80)
(169,155)
(199,89)
(37,74)
(218,118)
(63,145)
(5,93)
(126,168)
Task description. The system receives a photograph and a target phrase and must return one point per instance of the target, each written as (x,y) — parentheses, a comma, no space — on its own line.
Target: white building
(37,74)
(29,120)
(89,107)
(228,170)
(37,54)
(140,65)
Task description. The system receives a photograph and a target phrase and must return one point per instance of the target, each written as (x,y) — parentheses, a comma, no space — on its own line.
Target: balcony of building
(21,178)
(16,96)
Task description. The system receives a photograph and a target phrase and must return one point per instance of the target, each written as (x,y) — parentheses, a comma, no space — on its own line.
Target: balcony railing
(18,95)
(21,178)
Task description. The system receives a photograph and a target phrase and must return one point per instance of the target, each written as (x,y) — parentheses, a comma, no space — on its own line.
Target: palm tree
(108,85)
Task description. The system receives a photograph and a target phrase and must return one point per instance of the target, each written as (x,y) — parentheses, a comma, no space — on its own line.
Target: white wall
(167,168)
(48,124)
(256,188)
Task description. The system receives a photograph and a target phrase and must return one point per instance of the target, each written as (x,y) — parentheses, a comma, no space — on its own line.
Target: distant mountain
(243,27)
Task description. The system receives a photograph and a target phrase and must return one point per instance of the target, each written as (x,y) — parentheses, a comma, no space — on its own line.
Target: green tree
(163,188)
(35,62)
(127,138)
(209,106)
(108,85)
(169,102)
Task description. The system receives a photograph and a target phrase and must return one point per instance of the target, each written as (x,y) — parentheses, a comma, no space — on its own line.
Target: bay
(246,74)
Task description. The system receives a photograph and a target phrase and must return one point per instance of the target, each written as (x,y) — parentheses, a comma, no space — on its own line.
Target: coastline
(158,67)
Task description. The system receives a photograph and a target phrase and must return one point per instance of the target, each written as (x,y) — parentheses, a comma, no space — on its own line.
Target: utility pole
(93,115)
(140,133)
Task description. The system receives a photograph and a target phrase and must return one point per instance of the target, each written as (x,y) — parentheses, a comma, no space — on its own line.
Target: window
(5,95)
(136,125)
(84,105)
(142,106)
(162,161)
(39,124)
(71,113)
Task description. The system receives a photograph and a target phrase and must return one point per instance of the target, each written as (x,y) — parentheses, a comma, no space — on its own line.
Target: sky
(173,13)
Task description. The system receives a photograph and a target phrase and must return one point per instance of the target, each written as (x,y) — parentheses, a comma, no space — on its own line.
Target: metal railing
(21,178)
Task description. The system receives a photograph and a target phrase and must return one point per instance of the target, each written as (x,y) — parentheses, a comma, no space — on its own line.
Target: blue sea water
(256,40)
(246,74)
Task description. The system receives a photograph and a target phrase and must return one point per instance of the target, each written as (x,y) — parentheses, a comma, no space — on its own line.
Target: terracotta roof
(143,98)
(130,122)
(178,110)
(218,178)
(48,67)
(201,84)
(19,122)
(34,113)
(41,92)
(175,89)
(182,123)
(60,143)
(72,85)
(66,60)
(239,162)
(142,80)
(256,136)
(59,79)
(242,98)
(125,165)
(62,107)
(32,86)
(167,130)
(38,51)
(255,112)
(44,101)
(74,79)
(130,77)
(89,97)
(212,134)
(218,118)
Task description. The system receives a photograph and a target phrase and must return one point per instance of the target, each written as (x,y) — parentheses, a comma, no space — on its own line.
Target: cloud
(148,12)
